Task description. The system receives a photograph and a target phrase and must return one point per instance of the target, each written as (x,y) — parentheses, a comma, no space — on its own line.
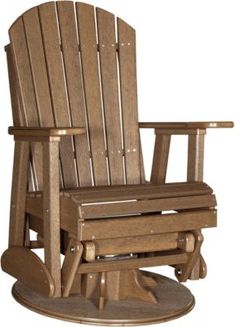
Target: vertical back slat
(15,101)
(25,92)
(67,23)
(128,87)
(51,40)
(88,48)
(38,67)
(109,79)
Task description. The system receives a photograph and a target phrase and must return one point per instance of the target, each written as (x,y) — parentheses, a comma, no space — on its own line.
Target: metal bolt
(13,205)
(151,231)
(93,237)
(134,150)
(46,210)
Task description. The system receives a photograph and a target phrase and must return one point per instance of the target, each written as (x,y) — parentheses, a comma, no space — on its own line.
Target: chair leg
(18,194)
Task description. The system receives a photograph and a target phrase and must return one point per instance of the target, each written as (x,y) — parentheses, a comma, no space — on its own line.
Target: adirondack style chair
(78,177)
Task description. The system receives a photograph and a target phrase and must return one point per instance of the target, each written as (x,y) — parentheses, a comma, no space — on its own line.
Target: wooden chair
(78,177)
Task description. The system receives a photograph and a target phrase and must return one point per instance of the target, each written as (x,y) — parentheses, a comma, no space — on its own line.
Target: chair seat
(123,200)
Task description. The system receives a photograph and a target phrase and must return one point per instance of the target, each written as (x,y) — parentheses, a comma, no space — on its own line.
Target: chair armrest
(186,125)
(45,131)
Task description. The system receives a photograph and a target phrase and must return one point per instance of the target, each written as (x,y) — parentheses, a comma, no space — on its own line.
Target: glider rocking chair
(78,177)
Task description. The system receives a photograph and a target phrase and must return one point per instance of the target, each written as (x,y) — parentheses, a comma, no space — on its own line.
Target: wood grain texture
(58,90)
(147,224)
(133,207)
(175,300)
(132,263)
(70,265)
(27,267)
(51,212)
(74,81)
(128,91)
(24,83)
(15,101)
(18,194)
(45,131)
(109,82)
(160,159)
(88,46)
(195,158)
(137,244)
(190,125)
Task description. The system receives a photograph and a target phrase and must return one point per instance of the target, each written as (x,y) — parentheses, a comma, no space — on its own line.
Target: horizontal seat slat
(134,207)
(139,192)
(146,224)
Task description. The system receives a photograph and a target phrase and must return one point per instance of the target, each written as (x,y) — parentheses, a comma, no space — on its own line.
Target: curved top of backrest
(74,65)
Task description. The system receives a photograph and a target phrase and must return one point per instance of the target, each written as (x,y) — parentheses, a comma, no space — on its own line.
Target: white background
(186,72)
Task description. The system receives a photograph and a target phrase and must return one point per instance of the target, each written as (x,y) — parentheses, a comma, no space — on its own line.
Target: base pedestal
(174,300)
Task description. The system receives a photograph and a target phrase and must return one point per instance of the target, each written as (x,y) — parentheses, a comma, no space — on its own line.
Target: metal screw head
(72,249)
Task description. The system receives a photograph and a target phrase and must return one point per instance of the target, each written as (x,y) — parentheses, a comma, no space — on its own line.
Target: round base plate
(174,300)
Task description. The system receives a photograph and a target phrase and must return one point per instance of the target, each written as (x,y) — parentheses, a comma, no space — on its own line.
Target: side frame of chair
(196,132)
(50,138)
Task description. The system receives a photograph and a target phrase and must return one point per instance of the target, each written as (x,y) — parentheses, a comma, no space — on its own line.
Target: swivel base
(174,300)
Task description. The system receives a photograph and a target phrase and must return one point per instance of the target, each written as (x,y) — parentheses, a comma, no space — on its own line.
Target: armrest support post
(195,157)
(51,210)
(160,158)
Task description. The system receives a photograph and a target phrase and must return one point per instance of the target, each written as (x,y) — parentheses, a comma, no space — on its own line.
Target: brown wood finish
(128,92)
(51,213)
(160,159)
(87,40)
(78,176)
(73,76)
(55,69)
(183,272)
(195,173)
(27,268)
(24,86)
(134,207)
(174,300)
(195,158)
(187,125)
(18,195)
(109,83)
(137,244)
(145,225)
(101,266)
(70,265)
(45,131)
